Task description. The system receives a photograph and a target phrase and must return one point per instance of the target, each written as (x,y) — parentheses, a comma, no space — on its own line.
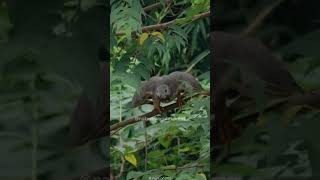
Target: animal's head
(163,91)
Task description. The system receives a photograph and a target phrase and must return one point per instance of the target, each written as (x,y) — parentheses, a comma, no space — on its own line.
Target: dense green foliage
(178,141)
(46,61)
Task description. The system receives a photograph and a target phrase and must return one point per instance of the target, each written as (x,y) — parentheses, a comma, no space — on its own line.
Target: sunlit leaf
(131,158)
(201,177)
(158,34)
(143,37)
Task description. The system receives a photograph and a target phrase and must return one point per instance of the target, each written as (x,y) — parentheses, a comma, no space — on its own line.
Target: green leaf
(309,130)
(129,78)
(143,37)
(165,140)
(200,57)
(170,173)
(290,113)
(184,175)
(147,63)
(246,142)
(169,167)
(280,136)
(201,176)
(158,34)
(184,149)
(306,45)
(141,70)
(134,175)
(131,158)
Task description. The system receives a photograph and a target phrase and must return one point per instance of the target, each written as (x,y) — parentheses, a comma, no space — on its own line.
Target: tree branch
(150,114)
(155,5)
(311,99)
(104,173)
(166,24)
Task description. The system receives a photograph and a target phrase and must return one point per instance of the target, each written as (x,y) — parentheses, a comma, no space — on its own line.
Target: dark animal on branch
(166,88)
(245,66)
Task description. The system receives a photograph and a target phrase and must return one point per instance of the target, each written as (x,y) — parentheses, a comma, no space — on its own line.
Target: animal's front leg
(180,101)
(226,129)
(156,105)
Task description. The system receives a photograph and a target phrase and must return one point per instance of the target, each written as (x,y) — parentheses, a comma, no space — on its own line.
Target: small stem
(120,113)
(123,161)
(155,6)
(257,22)
(120,105)
(178,139)
(145,144)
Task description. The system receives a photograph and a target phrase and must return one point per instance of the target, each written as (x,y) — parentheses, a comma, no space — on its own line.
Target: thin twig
(155,5)
(195,63)
(145,145)
(178,144)
(114,132)
(192,166)
(121,168)
(257,22)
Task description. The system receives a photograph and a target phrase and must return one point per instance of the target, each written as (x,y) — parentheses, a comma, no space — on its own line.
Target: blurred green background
(286,144)
(48,57)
